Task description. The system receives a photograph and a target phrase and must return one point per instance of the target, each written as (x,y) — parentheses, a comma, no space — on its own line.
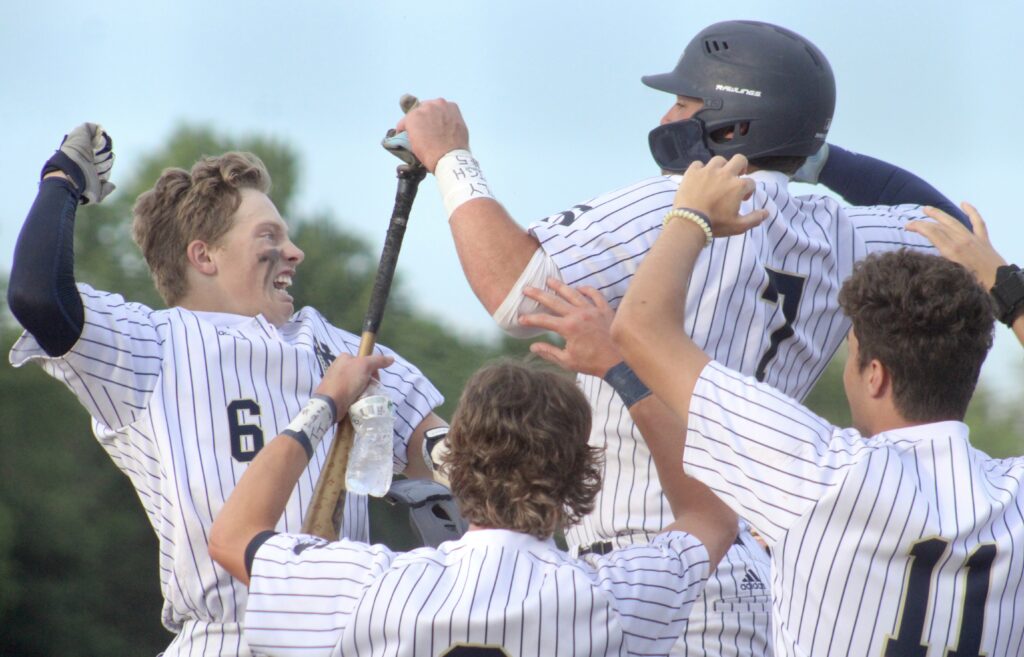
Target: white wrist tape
(536,274)
(312,422)
(459,178)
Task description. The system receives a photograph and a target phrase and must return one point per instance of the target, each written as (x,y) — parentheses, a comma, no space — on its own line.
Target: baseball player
(895,537)
(182,399)
(520,465)
(763,302)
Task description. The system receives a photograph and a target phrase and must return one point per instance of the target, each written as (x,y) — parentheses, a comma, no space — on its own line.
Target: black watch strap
(1008,293)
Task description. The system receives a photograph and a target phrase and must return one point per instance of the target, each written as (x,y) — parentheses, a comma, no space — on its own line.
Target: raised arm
(255,505)
(649,328)
(42,293)
(493,249)
(975,252)
(583,318)
(864,180)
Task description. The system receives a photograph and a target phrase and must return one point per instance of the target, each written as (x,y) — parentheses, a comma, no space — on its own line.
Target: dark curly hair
(518,454)
(191,205)
(928,321)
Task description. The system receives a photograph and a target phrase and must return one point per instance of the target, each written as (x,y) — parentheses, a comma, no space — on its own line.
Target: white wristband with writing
(460,179)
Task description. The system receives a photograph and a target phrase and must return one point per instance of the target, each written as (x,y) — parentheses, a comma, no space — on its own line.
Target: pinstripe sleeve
(653,587)
(764,454)
(601,242)
(882,227)
(113,367)
(303,591)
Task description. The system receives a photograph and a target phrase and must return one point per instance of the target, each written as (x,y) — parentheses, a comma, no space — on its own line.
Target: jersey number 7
(790,287)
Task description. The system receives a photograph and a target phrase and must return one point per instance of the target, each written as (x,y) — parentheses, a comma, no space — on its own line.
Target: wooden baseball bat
(326,509)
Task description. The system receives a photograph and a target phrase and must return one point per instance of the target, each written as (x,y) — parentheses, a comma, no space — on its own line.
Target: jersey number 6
(246,439)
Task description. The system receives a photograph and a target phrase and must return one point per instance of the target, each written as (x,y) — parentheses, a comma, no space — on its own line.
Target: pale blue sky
(550,90)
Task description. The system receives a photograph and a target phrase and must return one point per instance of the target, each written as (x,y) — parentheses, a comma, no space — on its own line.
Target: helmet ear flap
(676,145)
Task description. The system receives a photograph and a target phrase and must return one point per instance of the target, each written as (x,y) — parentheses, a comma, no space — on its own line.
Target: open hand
(716,189)
(583,318)
(972,250)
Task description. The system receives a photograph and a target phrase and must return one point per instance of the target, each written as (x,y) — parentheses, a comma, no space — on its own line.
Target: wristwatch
(1008,293)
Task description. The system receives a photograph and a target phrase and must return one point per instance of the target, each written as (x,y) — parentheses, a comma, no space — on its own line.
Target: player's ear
(199,256)
(879,379)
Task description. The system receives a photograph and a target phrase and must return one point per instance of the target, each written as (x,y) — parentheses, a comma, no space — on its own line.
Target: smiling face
(255,261)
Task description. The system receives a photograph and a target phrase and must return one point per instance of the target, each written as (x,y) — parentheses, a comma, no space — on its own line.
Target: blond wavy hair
(518,454)
(184,206)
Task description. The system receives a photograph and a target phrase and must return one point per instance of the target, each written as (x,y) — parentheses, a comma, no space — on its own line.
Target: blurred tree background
(78,567)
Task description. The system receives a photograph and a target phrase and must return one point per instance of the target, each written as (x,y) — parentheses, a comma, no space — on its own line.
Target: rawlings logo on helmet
(736,90)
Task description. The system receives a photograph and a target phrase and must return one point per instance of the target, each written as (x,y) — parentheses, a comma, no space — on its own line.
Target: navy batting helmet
(767,91)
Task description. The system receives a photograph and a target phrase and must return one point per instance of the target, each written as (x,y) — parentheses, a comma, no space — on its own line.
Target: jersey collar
(929,432)
(763,176)
(760,176)
(509,539)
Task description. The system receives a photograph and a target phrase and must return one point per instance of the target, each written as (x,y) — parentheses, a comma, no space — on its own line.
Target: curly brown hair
(184,206)
(518,454)
(928,321)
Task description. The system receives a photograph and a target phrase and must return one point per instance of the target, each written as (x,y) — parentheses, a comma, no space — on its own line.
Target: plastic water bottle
(370,463)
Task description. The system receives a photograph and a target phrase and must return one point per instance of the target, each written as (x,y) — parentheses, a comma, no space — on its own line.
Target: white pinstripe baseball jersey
(182,401)
(763,302)
(503,592)
(910,542)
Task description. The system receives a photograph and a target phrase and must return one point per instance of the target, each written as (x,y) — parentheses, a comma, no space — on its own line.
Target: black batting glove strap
(627,384)
(59,161)
(254,545)
(1008,293)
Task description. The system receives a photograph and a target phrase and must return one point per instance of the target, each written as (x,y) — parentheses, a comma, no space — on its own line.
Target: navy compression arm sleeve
(863,180)
(41,293)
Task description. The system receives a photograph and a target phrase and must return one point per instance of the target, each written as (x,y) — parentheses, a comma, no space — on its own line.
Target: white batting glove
(91,148)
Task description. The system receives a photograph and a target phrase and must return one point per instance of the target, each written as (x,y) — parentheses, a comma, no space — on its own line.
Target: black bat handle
(409,178)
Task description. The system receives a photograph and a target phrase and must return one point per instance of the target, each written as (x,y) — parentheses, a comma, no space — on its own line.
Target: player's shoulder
(665,552)
(316,321)
(97,299)
(903,213)
(652,192)
(772,192)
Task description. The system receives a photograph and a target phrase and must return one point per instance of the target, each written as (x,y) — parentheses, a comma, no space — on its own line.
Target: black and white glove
(86,155)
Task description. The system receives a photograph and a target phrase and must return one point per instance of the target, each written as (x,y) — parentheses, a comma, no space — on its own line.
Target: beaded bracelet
(695,216)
